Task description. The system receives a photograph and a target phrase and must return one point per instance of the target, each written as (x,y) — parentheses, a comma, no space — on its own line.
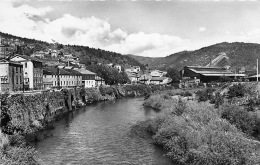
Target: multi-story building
(33,71)
(11,76)
(59,77)
(88,78)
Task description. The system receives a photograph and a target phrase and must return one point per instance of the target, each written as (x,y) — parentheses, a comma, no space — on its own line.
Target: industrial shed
(207,74)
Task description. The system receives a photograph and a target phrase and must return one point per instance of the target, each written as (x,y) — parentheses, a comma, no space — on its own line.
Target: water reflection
(102,134)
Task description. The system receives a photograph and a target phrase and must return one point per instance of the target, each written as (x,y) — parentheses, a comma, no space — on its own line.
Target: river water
(102,133)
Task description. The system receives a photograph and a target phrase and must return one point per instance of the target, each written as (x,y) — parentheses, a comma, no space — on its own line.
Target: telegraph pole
(257,70)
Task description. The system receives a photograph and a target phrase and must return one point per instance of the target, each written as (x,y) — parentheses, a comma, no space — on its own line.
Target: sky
(152,28)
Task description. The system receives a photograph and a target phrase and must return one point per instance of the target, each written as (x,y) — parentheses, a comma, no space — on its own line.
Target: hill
(240,55)
(86,55)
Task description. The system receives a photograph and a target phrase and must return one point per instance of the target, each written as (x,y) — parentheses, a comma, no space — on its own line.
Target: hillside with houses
(36,65)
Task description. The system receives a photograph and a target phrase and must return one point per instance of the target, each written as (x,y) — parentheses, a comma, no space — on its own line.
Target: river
(102,133)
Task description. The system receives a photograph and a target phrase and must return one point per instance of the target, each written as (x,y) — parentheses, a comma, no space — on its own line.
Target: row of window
(37,75)
(17,80)
(66,83)
(17,69)
(64,76)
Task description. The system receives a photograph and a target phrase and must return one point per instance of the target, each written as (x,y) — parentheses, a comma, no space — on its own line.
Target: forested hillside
(240,55)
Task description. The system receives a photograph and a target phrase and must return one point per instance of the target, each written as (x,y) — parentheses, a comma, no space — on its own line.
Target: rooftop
(84,71)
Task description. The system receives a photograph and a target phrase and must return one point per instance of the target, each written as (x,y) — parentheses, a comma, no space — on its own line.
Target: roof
(28,58)
(54,71)
(84,71)
(254,76)
(209,70)
(72,72)
(220,74)
(9,62)
(158,78)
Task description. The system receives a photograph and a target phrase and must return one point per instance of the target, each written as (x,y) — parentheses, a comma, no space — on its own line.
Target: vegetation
(205,94)
(110,75)
(173,74)
(212,131)
(14,151)
(235,51)
(194,133)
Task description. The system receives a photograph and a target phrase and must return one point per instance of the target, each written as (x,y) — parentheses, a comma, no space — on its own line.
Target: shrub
(240,117)
(205,94)
(15,151)
(217,99)
(236,90)
(199,136)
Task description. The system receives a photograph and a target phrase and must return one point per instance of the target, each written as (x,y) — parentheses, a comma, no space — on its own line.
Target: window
(16,69)
(21,80)
(25,65)
(21,70)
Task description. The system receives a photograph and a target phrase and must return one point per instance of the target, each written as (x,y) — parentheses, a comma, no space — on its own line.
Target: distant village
(55,69)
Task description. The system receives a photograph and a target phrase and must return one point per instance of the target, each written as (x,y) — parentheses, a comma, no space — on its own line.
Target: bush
(217,99)
(16,152)
(236,90)
(205,94)
(240,117)
(198,135)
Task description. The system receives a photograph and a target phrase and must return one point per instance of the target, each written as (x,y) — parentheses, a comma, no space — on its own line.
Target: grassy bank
(199,133)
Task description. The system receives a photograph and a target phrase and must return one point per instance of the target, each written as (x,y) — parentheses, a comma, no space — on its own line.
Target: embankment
(30,113)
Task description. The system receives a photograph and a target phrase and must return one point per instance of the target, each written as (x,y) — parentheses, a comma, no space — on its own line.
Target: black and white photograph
(129,82)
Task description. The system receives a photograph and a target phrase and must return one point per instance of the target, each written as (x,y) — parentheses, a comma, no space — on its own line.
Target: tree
(173,74)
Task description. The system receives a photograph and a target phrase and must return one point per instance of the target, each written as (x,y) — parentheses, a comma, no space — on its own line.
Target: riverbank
(27,115)
(208,128)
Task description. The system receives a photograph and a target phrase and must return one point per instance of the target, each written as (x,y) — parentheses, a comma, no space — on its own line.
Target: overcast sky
(147,28)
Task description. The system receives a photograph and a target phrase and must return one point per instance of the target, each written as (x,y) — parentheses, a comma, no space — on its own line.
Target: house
(99,81)
(33,71)
(11,76)
(145,78)
(88,78)
(157,73)
(129,68)
(54,77)
(38,54)
(68,56)
(133,77)
(3,51)
(54,54)
(207,74)
(118,67)
(160,80)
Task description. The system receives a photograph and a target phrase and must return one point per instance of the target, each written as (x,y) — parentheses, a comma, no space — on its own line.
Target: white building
(33,72)
(157,73)
(88,78)
(118,67)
